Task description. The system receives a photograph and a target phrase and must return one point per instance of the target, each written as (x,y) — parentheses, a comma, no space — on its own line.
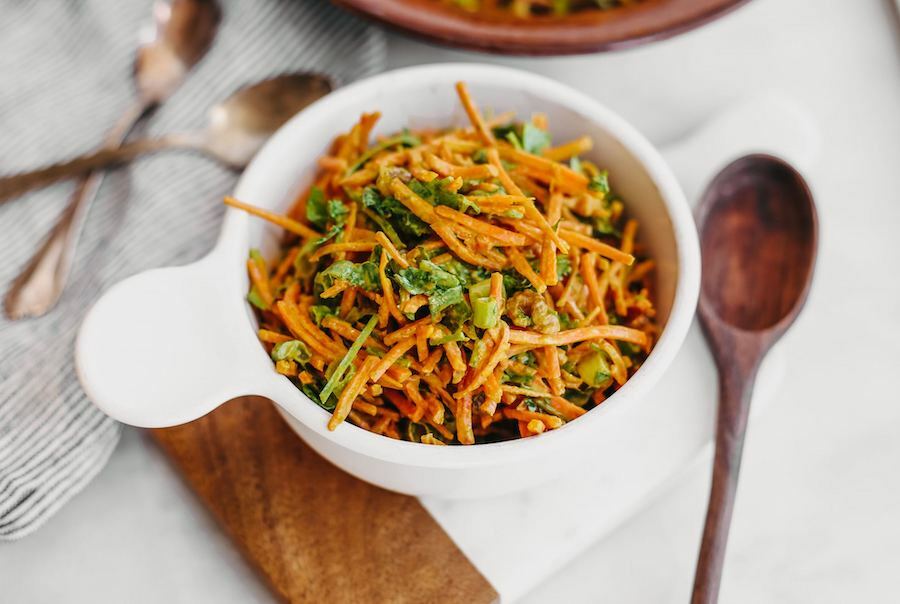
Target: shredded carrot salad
(459,286)
(535,8)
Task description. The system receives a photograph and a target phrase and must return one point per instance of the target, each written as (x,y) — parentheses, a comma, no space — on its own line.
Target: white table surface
(818,512)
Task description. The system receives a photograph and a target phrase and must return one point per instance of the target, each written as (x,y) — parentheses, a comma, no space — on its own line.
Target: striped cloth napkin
(65,68)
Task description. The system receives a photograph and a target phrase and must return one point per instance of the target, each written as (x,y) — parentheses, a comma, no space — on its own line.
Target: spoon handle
(39,285)
(109,155)
(735,391)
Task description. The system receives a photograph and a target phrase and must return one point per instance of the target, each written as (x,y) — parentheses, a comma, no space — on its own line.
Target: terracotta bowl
(582,32)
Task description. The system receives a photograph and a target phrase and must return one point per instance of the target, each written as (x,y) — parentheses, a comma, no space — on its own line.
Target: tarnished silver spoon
(236,129)
(184,31)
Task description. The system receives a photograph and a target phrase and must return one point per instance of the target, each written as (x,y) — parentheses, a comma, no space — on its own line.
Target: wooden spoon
(758,236)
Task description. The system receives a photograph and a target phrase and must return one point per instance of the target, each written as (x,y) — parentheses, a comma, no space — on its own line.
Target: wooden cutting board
(315,533)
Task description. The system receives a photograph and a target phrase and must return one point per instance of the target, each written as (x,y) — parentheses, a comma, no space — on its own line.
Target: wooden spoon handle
(735,390)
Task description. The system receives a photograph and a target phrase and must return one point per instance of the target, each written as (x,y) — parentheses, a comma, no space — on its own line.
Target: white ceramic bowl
(190,341)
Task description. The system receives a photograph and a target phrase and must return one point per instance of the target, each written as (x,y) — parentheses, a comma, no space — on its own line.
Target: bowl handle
(169,345)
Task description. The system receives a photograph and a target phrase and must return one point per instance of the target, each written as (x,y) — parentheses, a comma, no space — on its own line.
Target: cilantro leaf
(442,298)
(337,211)
(256,300)
(534,140)
(525,136)
(405,223)
(436,193)
(600,183)
(406,139)
(442,288)
(292,350)
(316,207)
(563,266)
(319,211)
(429,277)
(364,275)
(454,318)
(319,312)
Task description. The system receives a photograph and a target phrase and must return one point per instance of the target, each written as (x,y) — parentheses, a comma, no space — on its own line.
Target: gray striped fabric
(64,78)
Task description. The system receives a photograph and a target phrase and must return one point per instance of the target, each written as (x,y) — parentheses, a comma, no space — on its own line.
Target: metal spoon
(236,129)
(184,31)
(758,233)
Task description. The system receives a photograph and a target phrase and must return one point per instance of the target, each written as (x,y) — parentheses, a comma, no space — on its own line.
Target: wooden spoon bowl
(758,244)
(581,32)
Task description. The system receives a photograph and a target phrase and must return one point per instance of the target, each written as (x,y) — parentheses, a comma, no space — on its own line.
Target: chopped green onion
(485,313)
(480,290)
(256,300)
(292,350)
(594,370)
(478,351)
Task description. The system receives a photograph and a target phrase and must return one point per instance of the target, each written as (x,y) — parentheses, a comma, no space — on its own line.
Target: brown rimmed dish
(581,32)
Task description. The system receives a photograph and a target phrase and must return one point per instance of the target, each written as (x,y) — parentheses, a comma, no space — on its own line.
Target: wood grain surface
(315,533)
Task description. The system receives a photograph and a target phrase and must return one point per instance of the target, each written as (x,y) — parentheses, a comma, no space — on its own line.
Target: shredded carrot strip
(519,391)
(393,355)
(351,246)
(432,361)
(552,371)
(523,268)
(347,300)
(272,337)
(550,421)
(445,168)
(507,182)
(445,233)
(454,356)
(429,439)
(589,274)
(565,408)
(533,214)
(596,332)
(388,292)
(474,115)
(568,177)
(480,226)
(338,287)
(288,224)
(291,314)
(367,408)
(257,271)
(350,392)
(548,251)
(496,291)
(336,346)
(590,244)
(418,206)
(464,420)
(411,388)
(487,366)
(405,331)
(392,251)
(422,334)
(572,148)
